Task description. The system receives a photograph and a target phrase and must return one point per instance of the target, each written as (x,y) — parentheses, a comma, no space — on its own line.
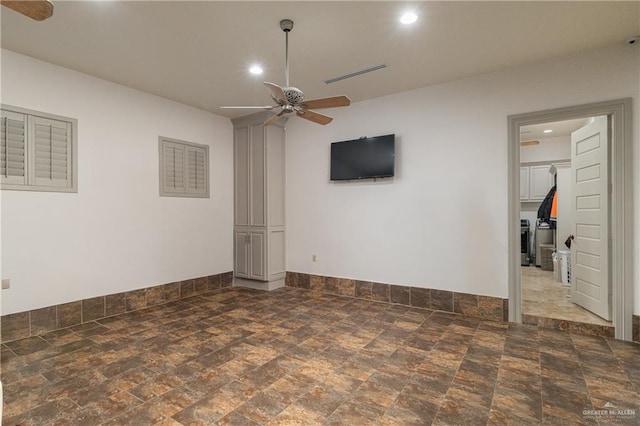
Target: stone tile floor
(245,357)
(543,296)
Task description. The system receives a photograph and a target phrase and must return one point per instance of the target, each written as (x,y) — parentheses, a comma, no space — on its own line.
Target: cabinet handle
(247,238)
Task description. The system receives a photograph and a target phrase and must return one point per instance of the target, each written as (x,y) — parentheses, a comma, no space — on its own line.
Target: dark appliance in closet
(525,245)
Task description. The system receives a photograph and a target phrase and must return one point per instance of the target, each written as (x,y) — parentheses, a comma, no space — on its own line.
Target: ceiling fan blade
(276,93)
(314,116)
(272,120)
(266,107)
(38,10)
(335,101)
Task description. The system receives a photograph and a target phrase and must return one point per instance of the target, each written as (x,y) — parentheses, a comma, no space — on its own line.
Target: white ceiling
(198,52)
(558,129)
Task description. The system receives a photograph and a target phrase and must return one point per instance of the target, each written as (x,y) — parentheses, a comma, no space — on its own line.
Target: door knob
(568,241)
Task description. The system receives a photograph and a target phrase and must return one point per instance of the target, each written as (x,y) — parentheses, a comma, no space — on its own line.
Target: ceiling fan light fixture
(408,18)
(256,70)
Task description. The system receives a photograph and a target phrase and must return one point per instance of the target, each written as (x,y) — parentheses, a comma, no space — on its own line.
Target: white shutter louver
(173,176)
(196,170)
(184,169)
(52,152)
(13,148)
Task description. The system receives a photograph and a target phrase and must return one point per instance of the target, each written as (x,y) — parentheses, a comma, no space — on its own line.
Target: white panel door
(590,195)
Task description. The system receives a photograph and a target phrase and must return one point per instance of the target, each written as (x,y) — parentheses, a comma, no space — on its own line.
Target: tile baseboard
(571,326)
(635,333)
(39,321)
(472,305)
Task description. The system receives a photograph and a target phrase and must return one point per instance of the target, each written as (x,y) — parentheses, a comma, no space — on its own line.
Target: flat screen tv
(363,158)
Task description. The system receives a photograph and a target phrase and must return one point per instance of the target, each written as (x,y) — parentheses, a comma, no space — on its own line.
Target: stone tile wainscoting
(572,326)
(40,321)
(483,307)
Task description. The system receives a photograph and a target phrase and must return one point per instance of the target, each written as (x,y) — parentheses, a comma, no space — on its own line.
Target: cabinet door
(541,182)
(242,254)
(276,256)
(275,176)
(257,250)
(257,179)
(241,176)
(524,183)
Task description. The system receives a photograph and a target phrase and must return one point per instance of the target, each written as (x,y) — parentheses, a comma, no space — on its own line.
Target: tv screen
(363,158)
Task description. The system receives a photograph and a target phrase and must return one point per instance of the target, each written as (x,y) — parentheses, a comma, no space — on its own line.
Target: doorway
(620,265)
(550,269)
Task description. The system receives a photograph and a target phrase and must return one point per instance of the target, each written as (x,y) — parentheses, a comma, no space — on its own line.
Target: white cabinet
(535,182)
(540,182)
(250,254)
(259,202)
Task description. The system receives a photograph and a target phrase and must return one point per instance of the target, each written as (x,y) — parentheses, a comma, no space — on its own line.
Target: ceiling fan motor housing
(294,95)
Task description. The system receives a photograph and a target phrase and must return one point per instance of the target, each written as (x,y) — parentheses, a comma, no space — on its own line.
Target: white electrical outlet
(6,283)
(314,258)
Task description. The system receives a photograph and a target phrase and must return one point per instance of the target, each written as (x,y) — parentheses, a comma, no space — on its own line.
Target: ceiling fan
(290,100)
(38,10)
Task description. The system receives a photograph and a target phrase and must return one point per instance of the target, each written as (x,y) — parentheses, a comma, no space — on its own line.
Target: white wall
(116,234)
(548,150)
(442,221)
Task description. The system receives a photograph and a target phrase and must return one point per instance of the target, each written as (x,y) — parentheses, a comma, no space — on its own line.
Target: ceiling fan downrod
(286,25)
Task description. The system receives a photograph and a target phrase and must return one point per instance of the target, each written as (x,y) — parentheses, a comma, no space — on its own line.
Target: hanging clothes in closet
(553,216)
(544,211)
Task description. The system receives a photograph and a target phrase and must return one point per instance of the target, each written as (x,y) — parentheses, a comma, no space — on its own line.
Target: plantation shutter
(52,152)
(13,148)
(196,170)
(184,169)
(174,168)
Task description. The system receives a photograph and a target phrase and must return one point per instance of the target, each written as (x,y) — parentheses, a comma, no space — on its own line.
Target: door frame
(621,204)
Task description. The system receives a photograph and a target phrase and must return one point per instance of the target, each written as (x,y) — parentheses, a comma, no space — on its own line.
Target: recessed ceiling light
(255,69)
(548,131)
(408,18)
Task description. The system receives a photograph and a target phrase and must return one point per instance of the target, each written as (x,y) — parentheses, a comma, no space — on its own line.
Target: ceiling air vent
(356,73)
